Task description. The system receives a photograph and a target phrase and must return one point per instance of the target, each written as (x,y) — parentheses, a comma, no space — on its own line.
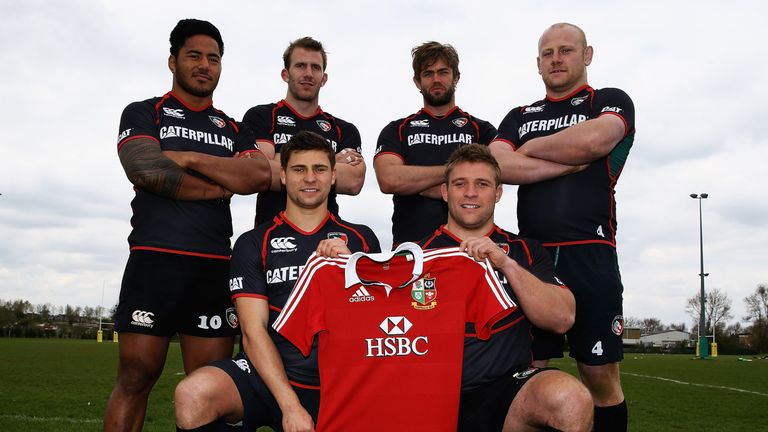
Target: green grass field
(63,385)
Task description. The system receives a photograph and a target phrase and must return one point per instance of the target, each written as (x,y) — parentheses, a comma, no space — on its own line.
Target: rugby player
(567,152)
(411,151)
(270,382)
(178,152)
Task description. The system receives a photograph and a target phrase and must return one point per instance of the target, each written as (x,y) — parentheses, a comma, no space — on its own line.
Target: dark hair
(308,44)
(426,54)
(473,153)
(304,141)
(189,27)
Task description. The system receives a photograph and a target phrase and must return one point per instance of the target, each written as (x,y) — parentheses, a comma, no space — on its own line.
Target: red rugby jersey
(390,332)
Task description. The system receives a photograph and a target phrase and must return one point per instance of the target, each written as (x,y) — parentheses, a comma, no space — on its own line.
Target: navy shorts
(165,293)
(485,408)
(591,271)
(259,406)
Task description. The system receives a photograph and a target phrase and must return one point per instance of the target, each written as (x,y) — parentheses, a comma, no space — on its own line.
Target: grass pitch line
(49,419)
(695,384)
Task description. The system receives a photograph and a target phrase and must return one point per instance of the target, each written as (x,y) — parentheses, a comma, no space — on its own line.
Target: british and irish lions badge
(424,293)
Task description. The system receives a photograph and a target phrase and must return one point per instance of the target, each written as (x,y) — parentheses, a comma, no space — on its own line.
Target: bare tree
(717,309)
(757,314)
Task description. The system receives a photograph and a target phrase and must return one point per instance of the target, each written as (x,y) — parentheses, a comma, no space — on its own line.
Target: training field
(63,385)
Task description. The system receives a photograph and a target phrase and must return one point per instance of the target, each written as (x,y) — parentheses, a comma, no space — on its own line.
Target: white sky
(695,70)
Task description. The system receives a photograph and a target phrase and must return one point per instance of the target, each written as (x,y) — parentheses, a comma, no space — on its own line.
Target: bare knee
(204,396)
(603,383)
(136,377)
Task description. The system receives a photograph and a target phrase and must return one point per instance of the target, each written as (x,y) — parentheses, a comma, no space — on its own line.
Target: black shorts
(546,345)
(259,406)
(485,408)
(591,271)
(164,293)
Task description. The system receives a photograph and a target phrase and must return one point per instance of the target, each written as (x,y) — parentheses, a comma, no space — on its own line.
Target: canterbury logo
(283,243)
(142,318)
(242,364)
(361,295)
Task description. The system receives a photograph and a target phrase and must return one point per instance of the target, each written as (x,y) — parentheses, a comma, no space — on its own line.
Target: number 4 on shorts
(598,348)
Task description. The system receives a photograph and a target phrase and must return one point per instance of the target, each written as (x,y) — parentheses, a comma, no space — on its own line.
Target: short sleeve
(487,132)
(259,120)
(137,121)
(542,266)
(613,101)
(302,316)
(389,141)
(487,300)
(246,268)
(245,140)
(509,129)
(350,137)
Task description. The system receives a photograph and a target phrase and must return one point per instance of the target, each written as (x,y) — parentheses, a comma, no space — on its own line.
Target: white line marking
(695,384)
(49,419)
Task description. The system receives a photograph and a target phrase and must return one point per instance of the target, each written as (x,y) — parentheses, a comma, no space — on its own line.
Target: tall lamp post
(703,345)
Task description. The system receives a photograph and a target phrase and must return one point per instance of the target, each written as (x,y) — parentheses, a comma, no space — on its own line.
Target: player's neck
(305,108)
(560,93)
(192,101)
(441,110)
(465,233)
(306,219)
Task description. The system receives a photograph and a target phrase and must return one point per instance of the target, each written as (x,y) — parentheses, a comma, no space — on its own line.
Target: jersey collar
(350,272)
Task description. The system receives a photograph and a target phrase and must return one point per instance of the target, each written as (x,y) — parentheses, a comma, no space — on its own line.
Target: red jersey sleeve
(488,302)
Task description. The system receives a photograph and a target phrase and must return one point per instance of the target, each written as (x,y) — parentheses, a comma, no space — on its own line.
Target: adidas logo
(361,295)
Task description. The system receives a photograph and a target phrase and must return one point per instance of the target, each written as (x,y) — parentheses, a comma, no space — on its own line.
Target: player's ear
(323,81)
(282,176)
(588,55)
(416,81)
(538,64)
(444,191)
(499,192)
(284,75)
(333,177)
(172,63)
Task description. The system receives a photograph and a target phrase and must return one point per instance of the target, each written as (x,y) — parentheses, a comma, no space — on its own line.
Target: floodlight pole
(703,345)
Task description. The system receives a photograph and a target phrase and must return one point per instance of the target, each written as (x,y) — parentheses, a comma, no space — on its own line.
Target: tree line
(20,318)
(730,337)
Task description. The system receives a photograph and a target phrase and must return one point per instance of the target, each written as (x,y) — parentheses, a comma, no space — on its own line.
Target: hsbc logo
(283,244)
(142,318)
(285,121)
(396,344)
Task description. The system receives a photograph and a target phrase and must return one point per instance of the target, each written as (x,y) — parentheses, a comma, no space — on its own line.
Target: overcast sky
(695,70)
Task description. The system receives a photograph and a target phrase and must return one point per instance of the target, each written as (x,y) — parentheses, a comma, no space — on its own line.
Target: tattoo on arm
(148,169)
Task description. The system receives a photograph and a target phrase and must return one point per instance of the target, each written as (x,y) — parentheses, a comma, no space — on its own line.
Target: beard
(187,84)
(440,100)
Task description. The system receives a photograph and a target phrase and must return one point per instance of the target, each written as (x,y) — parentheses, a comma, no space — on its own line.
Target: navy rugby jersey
(510,345)
(266,262)
(275,124)
(201,227)
(423,139)
(576,208)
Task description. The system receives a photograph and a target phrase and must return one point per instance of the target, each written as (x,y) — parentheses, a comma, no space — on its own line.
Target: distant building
(631,336)
(666,338)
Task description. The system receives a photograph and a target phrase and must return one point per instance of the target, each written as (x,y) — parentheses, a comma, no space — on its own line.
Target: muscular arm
(517,168)
(395,177)
(579,144)
(254,317)
(242,175)
(148,169)
(547,306)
